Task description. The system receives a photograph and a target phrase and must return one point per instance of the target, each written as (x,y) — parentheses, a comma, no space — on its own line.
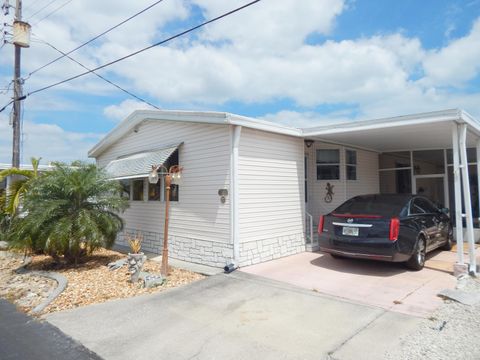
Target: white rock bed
(451,332)
(25,290)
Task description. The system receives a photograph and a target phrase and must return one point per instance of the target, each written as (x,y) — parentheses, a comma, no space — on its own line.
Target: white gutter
(235,131)
(458,195)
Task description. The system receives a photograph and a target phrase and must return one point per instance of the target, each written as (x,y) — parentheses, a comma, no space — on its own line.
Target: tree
(11,199)
(70,211)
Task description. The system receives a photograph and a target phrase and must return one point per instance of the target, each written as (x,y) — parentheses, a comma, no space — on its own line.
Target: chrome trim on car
(356,255)
(352,225)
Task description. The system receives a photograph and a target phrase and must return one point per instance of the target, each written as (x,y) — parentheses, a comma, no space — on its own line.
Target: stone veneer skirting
(183,248)
(255,252)
(218,254)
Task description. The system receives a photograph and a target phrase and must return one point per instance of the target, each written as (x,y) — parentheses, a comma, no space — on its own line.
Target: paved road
(24,338)
(236,316)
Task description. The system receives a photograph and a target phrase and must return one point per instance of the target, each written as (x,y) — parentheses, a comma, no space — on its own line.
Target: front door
(433,187)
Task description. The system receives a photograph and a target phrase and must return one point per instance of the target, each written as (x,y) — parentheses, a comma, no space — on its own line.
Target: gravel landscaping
(25,290)
(88,283)
(449,333)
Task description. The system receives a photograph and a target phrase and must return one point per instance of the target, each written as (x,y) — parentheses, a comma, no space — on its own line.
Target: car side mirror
(444,211)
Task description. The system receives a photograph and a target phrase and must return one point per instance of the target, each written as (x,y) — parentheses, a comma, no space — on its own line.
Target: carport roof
(431,130)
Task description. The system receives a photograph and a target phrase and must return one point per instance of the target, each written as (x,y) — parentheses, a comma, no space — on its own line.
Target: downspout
(234,198)
(458,195)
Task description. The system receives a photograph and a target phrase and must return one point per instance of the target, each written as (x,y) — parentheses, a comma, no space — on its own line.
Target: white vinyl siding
(367,181)
(205,158)
(271,181)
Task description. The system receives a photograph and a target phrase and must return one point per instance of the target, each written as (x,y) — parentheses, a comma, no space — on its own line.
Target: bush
(69,211)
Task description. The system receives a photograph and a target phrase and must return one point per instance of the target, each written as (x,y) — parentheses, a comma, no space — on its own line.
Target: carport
(454,132)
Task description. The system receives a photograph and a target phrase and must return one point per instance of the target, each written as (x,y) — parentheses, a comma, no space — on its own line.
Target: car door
(441,220)
(423,217)
(434,218)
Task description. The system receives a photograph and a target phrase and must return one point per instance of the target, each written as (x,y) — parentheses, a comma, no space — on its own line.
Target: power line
(96,37)
(101,77)
(30,5)
(146,48)
(11,102)
(53,12)
(41,9)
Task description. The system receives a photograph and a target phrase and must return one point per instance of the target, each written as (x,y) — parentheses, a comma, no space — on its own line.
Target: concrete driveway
(387,285)
(236,316)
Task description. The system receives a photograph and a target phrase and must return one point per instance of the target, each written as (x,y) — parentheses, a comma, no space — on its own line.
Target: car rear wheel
(417,261)
(449,244)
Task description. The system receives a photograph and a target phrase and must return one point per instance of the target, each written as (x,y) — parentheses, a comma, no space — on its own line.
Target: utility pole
(17,94)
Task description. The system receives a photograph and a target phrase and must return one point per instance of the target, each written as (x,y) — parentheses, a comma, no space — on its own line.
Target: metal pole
(458,196)
(164,268)
(17,93)
(466,198)
(478,179)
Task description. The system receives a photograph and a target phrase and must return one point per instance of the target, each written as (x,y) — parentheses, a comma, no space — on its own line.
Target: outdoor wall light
(309,143)
(153,176)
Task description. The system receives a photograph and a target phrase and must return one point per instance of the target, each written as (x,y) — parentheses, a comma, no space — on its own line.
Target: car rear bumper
(365,250)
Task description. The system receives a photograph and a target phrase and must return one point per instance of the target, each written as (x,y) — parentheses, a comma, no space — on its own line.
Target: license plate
(350,231)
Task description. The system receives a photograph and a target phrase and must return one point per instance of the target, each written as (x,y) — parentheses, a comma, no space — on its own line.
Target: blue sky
(297,63)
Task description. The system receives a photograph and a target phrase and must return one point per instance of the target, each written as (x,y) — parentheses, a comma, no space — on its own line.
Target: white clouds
(50,142)
(347,71)
(456,63)
(259,55)
(125,108)
(271,25)
(307,119)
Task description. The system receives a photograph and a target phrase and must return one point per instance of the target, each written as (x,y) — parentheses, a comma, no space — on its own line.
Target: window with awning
(138,165)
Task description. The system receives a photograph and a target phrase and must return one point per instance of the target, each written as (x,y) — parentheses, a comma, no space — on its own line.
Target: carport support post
(478,177)
(467,199)
(458,194)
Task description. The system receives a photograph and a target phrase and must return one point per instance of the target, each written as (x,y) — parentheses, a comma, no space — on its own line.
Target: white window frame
(352,165)
(339,164)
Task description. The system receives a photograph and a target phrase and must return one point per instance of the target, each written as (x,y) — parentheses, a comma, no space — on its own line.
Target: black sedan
(389,227)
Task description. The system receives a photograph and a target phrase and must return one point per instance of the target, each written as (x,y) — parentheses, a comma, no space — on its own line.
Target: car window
(373,205)
(422,206)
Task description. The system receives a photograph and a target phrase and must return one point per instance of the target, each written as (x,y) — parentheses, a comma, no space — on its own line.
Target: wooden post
(17,93)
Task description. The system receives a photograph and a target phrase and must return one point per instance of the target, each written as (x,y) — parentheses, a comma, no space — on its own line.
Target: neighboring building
(276,177)
(4,166)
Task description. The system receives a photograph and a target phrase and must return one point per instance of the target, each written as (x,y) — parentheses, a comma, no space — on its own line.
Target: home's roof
(205,117)
(377,134)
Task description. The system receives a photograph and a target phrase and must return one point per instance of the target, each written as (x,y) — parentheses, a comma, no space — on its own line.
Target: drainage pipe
(236,130)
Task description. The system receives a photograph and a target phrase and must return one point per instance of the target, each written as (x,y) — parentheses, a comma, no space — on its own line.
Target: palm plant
(70,211)
(12,198)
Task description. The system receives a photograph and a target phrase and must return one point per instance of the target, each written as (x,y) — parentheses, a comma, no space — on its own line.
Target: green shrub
(69,211)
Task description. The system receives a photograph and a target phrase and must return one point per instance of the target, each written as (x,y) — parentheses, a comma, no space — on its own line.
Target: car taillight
(321,221)
(394,228)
